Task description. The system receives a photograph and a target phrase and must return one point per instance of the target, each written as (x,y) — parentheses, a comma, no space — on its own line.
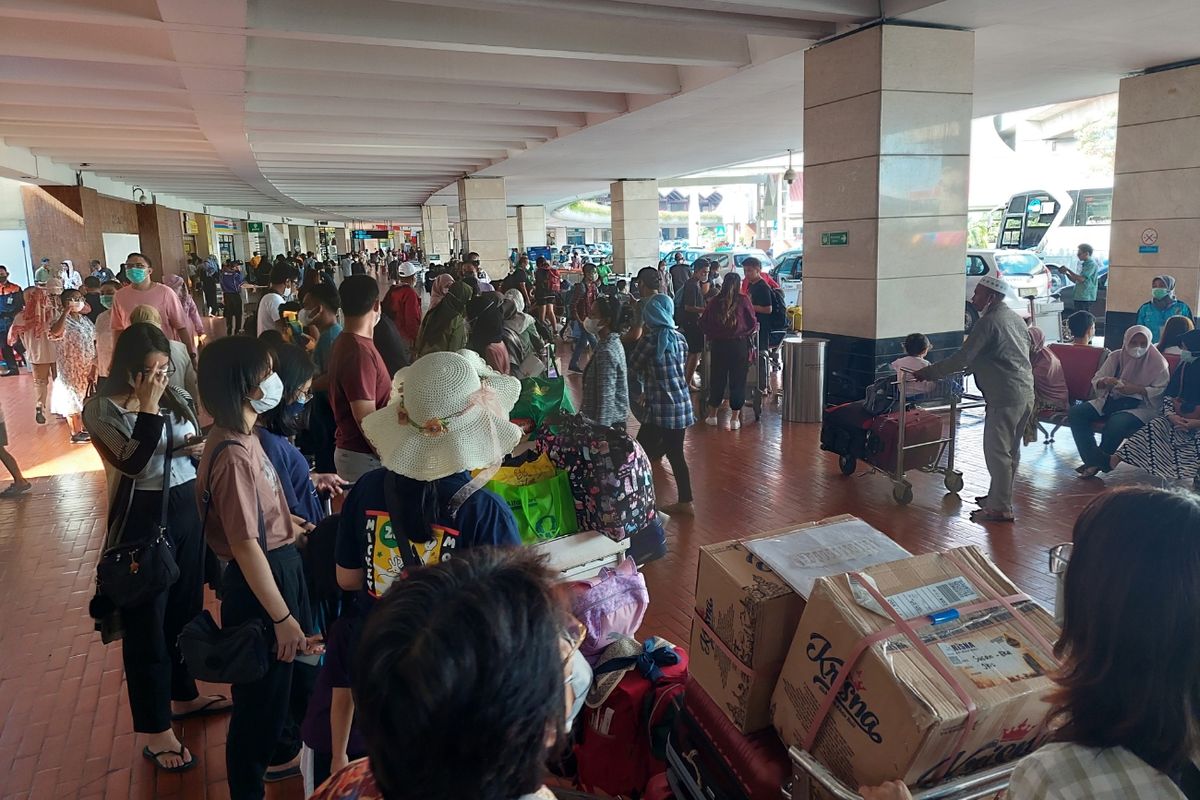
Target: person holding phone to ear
(144,430)
(250,528)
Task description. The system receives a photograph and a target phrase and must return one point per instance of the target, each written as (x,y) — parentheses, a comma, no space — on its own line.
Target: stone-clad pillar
(483,219)
(887,133)
(1156,194)
(634,225)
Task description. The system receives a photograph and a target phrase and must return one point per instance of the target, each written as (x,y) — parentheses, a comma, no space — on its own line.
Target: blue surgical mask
(137,274)
(1160,293)
(106,300)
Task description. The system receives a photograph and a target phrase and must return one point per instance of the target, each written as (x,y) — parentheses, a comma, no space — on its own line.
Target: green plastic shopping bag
(544,510)
(540,398)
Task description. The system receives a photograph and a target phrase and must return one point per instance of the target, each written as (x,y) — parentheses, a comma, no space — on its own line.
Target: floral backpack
(609,472)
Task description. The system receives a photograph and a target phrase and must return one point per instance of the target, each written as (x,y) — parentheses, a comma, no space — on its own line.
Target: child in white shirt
(916,346)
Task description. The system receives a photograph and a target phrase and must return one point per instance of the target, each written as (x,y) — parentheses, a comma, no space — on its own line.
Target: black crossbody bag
(129,575)
(236,654)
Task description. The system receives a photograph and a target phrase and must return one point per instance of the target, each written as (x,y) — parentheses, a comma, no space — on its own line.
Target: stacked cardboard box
(898,714)
(746,613)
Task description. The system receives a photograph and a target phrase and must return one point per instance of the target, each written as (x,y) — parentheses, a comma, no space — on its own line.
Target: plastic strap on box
(903,626)
(1018,617)
(724,648)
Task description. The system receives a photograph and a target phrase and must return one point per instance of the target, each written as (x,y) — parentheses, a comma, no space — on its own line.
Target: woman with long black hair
(251,529)
(146,434)
(728,321)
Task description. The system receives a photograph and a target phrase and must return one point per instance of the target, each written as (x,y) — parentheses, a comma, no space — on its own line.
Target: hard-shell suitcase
(709,759)
(919,427)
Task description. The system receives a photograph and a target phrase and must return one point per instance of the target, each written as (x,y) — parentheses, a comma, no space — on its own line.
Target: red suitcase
(718,760)
(919,427)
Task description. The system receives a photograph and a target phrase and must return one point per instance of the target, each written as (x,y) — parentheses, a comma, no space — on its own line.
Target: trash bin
(803,379)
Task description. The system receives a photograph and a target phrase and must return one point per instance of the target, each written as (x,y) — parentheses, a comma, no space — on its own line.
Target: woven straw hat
(448,413)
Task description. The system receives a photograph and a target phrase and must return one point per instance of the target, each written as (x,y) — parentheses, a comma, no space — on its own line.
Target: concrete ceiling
(367,108)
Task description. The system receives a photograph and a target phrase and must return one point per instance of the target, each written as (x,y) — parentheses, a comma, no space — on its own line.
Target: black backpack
(778,320)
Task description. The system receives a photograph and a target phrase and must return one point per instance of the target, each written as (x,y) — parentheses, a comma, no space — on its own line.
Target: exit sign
(835,239)
(254,227)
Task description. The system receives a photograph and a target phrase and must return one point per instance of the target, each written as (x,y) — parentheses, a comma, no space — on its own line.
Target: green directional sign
(254,227)
(835,238)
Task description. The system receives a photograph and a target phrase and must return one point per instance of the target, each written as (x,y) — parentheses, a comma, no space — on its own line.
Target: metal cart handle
(978,786)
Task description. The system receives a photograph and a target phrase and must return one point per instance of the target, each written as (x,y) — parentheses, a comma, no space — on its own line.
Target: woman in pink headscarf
(191,313)
(441,284)
(1049,380)
(32,327)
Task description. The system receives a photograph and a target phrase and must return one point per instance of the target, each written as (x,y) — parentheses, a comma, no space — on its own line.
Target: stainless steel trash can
(803,379)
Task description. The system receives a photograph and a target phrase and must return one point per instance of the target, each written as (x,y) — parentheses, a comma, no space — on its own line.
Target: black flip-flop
(205,710)
(184,767)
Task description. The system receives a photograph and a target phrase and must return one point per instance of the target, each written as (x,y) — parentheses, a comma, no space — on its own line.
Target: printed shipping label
(922,601)
(994,661)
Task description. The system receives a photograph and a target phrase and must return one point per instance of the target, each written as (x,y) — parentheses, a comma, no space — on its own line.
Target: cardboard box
(896,716)
(746,614)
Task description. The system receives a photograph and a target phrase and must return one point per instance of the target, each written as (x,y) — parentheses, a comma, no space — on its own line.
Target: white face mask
(272,391)
(305,316)
(592,326)
(1138,352)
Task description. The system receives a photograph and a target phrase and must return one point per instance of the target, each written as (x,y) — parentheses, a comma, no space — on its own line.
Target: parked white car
(789,271)
(731,260)
(1022,269)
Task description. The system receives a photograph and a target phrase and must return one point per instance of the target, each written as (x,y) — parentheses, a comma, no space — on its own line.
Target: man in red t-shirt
(359,383)
(403,304)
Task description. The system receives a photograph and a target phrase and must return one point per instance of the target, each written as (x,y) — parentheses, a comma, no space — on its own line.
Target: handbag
(544,507)
(235,653)
(541,398)
(130,574)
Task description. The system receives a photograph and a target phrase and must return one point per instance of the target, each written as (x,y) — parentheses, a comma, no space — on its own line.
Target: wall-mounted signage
(254,227)
(361,234)
(224,224)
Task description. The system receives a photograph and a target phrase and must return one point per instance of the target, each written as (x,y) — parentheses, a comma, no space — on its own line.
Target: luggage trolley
(979,786)
(944,395)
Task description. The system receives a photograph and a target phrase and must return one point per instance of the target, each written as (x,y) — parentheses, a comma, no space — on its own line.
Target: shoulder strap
(166,476)
(391,494)
(206,499)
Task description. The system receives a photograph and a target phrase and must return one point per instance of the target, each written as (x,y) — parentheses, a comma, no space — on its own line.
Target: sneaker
(40,416)
(710,421)
(735,424)
(17,489)
(80,438)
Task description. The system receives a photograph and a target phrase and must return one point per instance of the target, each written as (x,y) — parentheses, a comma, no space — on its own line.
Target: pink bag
(610,605)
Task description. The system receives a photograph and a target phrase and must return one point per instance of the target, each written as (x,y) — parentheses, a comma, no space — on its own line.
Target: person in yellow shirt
(255,259)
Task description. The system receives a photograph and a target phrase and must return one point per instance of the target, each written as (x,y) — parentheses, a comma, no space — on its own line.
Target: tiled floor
(66,730)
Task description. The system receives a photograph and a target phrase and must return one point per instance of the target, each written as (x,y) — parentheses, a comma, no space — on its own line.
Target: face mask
(272,391)
(1187,356)
(106,300)
(581,681)
(287,293)
(137,274)
(1160,294)
(305,316)
(296,408)
(1138,352)
(75,305)
(592,326)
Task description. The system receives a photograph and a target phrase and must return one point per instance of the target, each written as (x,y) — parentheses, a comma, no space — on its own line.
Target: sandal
(1089,472)
(991,515)
(184,767)
(207,709)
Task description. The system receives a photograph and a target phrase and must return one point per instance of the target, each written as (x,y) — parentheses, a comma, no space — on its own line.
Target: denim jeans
(583,340)
(1117,428)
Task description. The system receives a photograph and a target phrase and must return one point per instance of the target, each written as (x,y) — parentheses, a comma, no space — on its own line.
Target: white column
(635,225)
(435,233)
(513,236)
(531,227)
(483,222)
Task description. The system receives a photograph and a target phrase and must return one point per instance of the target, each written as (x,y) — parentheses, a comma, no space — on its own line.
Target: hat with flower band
(448,413)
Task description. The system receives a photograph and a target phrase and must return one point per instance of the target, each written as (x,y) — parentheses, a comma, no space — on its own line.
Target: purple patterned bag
(611,606)
(610,474)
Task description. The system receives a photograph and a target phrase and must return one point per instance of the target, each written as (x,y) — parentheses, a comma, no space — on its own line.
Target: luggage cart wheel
(954,481)
(902,492)
(847,464)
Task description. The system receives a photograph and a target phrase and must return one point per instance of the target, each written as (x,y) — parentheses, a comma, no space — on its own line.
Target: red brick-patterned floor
(66,729)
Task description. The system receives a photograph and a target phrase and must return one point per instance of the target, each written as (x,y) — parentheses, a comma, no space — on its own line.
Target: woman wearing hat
(997,351)
(448,415)
(665,407)
(444,328)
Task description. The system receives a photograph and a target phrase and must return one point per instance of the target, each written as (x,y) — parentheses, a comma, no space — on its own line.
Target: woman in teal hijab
(665,407)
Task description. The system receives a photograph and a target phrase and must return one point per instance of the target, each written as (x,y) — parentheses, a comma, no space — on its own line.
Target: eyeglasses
(1060,556)
(165,372)
(573,634)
